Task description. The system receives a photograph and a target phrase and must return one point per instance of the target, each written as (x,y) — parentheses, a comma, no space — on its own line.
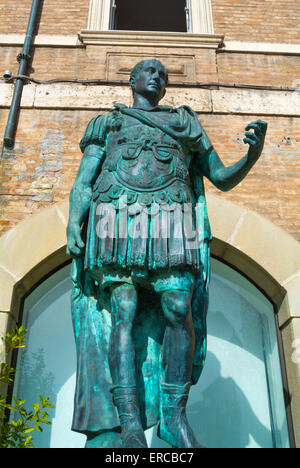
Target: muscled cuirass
(145,165)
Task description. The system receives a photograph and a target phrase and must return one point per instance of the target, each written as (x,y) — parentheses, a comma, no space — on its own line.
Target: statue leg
(179,339)
(122,365)
(121,347)
(177,363)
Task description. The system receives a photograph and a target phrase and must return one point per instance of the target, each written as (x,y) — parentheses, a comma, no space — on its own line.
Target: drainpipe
(24,59)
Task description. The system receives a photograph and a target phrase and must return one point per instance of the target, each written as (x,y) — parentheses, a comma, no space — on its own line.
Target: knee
(124,304)
(176,306)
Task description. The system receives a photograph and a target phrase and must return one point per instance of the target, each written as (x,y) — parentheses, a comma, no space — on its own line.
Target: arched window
(238,401)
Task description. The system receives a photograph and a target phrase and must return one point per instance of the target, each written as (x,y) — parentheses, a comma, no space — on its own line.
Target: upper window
(157,15)
(192,16)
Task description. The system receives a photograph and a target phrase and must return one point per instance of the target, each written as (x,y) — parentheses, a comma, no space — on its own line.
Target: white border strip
(102,97)
(45,40)
(261,48)
(42,40)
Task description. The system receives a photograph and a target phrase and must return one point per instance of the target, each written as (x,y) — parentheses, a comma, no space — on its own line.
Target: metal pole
(112,18)
(24,59)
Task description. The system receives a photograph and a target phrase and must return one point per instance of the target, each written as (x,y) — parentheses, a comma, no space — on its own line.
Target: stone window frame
(200,10)
(201,20)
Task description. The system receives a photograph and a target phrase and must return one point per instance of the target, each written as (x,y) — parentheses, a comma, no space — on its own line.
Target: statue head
(149,78)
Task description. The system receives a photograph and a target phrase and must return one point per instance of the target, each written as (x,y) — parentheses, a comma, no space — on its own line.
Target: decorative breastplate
(146,165)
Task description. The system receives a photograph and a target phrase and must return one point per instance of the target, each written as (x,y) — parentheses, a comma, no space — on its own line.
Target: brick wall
(41,169)
(272,186)
(259,69)
(227,67)
(257,20)
(58,16)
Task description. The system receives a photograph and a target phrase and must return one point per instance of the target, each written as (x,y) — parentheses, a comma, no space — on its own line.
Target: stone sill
(151,39)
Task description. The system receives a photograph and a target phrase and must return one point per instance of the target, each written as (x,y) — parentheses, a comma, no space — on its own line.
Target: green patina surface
(139,234)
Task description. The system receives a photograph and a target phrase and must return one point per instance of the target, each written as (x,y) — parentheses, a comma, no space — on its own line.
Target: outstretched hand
(255,138)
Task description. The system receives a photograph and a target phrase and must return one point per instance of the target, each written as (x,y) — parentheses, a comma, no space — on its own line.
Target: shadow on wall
(222,417)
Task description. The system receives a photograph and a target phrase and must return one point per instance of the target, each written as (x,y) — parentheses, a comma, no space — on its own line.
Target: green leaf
(36,407)
(31,429)
(28,440)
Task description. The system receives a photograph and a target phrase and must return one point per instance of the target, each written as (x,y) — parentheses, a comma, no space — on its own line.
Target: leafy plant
(17,431)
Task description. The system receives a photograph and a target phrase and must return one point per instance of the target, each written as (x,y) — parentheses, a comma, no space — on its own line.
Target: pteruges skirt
(143,238)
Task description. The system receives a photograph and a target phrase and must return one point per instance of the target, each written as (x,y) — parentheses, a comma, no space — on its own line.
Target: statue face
(152,80)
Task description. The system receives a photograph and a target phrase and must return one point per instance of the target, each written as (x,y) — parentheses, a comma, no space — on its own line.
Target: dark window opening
(149,15)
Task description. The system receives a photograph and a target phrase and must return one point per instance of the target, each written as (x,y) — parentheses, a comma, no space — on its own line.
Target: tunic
(144,213)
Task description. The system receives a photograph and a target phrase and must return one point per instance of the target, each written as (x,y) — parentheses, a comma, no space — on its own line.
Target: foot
(134,440)
(126,402)
(133,436)
(177,432)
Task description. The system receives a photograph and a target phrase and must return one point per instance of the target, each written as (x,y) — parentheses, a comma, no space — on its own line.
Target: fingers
(251,138)
(256,137)
(75,249)
(249,141)
(256,128)
(259,127)
(79,242)
(263,126)
(75,244)
(260,123)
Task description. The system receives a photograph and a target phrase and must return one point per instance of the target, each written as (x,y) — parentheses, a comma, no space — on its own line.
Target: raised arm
(225,178)
(80,197)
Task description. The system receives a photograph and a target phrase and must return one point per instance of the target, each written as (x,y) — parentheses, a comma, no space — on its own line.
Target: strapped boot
(174,427)
(126,402)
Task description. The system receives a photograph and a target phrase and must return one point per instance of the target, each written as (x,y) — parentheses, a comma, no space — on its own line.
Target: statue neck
(144,102)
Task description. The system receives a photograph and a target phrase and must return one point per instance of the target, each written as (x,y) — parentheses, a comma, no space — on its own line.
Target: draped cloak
(93,409)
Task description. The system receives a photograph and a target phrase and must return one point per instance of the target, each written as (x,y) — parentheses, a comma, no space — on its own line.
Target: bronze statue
(139,236)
